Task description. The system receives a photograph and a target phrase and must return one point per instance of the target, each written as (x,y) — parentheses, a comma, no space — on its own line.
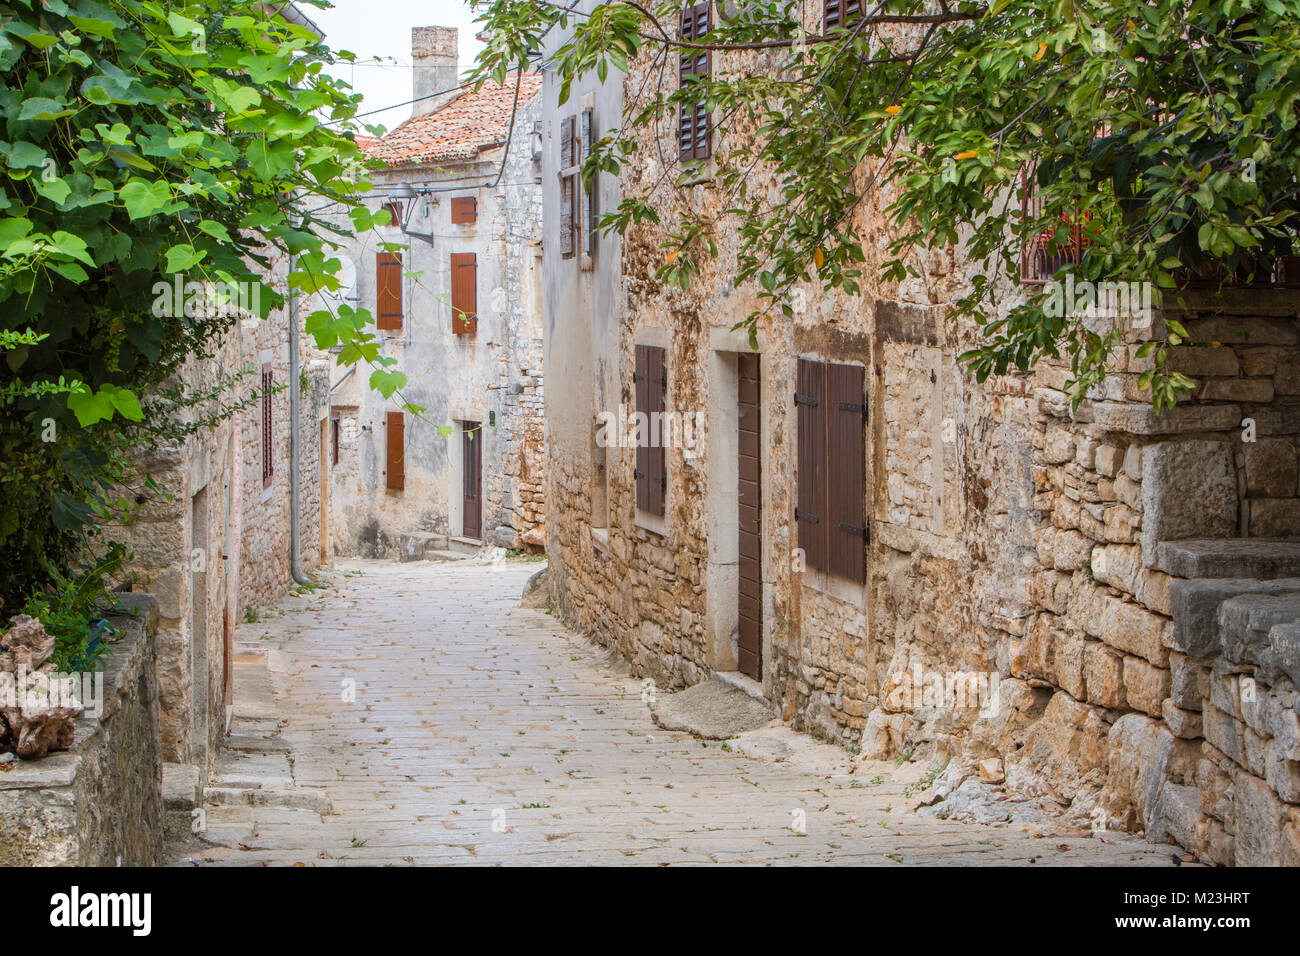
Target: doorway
(749,523)
(472,480)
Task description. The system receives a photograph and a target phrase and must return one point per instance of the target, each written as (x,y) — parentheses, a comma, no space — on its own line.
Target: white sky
(379,33)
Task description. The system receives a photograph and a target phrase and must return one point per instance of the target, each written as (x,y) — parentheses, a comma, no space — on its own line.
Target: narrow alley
(416,714)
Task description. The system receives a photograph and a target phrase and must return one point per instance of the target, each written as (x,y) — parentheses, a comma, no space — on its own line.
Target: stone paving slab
(447,725)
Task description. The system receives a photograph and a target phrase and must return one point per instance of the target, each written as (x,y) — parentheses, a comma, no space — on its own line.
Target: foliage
(69,604)
(141,141)
(1165,132)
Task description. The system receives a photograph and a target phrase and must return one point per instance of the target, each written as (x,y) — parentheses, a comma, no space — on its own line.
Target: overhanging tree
(1158,139)
(142,141)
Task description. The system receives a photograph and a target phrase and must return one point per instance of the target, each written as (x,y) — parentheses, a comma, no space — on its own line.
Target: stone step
(413,545)
(1248,624)
(1261,558)
(298,798)
(1195,603)
(180,786)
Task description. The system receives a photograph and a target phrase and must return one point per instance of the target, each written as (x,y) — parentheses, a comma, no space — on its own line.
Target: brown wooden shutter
(568,142)
(694,133)
(395,440)
(395,212)
(810,420)
(388,304)
(268,436)
(464,293)
(464,209)
(651,387)
(846,529)
(838,13)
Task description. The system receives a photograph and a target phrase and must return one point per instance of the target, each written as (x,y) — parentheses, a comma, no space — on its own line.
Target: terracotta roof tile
(474,121)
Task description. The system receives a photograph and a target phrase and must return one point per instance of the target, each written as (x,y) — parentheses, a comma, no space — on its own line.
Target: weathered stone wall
(1013,542)
(100,803)
(496,372)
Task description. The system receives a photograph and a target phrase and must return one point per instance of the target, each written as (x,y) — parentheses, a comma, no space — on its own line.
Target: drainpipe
(294,439)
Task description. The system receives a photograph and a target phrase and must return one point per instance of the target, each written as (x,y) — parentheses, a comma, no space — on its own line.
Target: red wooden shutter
(388,311)
(839,13)
(464,209)
(694,139)
(464,293)
(846,527)
(268,436)
(395,440)
(811,511)
(650,380)
(395,212)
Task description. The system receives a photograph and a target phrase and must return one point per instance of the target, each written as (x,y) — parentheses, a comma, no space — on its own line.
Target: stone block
(1189,490)
(1253,391)
(1182,723)
(1257,822)
(1109,459)
(1141,419)
(1139,751)
(1133,629)
(1103,674)
(1145,686)
(1274,517)
(1270,468)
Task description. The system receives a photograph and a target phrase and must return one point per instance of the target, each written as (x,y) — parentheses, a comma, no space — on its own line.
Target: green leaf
(43,108)
(181,257)
(142,199)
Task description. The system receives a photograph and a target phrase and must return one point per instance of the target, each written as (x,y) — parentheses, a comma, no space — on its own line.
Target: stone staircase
(432,546)
(1235,670)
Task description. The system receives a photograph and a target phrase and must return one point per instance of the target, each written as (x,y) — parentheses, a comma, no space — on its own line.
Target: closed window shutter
(845,471)
(464,293)
(566,218)
(395,426)
(810,420)
(693,126)
(464,209)
(838,13)
(268,459)
(388,311)
(567,143)
(588,192)
(650,380)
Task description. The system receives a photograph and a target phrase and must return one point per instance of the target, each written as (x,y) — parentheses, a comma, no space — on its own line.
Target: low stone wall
(100,803)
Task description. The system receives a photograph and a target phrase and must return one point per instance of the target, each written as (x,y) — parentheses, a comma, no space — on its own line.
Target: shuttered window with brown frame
(395,447)
(464,210)
(464,293)
(650,379)
(830,402)
(268,460)
(839,13)
(394,208)
(694,130)
(388,295)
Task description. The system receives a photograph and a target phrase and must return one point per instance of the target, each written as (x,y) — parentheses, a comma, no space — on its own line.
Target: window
(395,442)
(1043,254)
(268,466)
(650,381)
(388,294)
(839,13)
(464,293)
(464,209)
(394,208)
(693,127)
(568,188)
(335,428)
(589,213)
(831,411)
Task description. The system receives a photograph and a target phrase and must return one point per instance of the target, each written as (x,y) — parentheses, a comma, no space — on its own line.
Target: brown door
(750,650)
(472,450)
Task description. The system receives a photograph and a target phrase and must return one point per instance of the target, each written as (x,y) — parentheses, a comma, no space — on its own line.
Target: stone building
(459,309)
(216,540)
(1101,605)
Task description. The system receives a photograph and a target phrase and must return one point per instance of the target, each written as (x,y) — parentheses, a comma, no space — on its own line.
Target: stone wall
(1013,541)
(493,377)
(100,803)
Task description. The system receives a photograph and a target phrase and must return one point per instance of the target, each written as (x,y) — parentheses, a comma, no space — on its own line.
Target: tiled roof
(474,121)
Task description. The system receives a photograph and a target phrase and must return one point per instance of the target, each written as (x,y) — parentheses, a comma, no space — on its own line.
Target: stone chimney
(434,67)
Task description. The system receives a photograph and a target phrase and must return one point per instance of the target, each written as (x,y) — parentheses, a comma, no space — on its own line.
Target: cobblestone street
(482,733)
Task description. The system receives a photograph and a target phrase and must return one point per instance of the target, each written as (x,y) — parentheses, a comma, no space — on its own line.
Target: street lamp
(406,194)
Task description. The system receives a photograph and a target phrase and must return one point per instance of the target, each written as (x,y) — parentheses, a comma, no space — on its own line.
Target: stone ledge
(1195,607)
(1265,558)
(100,803)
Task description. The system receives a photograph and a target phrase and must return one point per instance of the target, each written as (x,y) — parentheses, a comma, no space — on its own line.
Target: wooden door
(750,565)
(472,452)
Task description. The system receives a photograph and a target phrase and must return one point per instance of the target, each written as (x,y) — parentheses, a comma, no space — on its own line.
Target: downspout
(295,569)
